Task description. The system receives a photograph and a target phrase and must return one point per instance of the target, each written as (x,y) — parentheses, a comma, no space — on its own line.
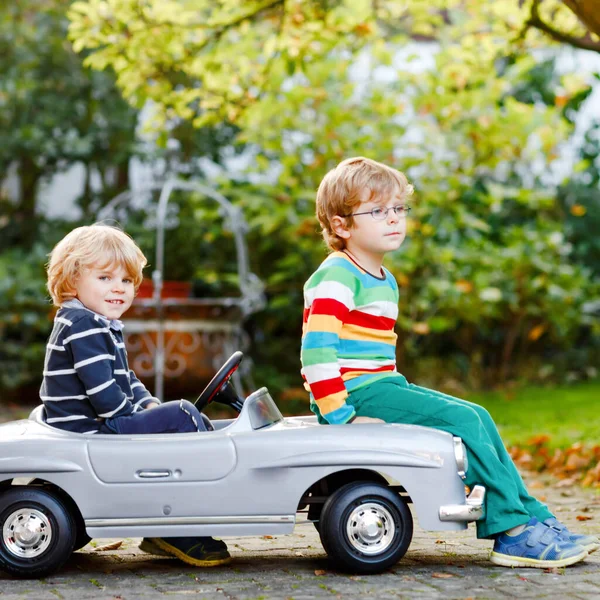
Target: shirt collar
(112,323)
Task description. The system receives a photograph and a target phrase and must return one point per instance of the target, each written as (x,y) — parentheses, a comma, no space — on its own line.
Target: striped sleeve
(141,396)
(328,298)
(94,355)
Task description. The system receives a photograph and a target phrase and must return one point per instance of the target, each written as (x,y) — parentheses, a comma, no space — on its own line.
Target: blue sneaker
(537,546)
(590,542)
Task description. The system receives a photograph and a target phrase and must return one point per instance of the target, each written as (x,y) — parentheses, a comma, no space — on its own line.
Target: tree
(587,13)
(207,60)
(54,113)
(487,270)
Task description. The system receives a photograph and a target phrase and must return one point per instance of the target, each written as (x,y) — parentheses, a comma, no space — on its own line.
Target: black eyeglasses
(380,214)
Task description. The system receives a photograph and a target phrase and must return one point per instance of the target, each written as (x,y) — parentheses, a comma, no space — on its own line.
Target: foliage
(199,244)
(578,463)
(580,201)
(487,272)
(24,316)
(55,113)
(486,276)
(207,61)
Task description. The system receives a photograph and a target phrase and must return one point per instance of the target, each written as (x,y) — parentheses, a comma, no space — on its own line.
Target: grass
(568,414)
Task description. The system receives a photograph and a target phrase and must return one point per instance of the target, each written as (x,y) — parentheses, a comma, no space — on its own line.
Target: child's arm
(142,398)
(328,298)
(93,352)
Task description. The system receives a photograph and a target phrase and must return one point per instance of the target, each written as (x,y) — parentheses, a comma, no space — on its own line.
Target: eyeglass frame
(406,208)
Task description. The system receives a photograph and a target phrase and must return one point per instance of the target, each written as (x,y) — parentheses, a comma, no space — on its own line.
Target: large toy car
(249,476)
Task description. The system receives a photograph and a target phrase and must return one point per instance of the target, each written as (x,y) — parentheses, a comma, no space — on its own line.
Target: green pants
(507,501)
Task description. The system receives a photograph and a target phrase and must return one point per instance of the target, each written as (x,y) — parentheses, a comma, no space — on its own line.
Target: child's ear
(338,224)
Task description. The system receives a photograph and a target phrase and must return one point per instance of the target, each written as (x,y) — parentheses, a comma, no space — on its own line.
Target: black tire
(357,550)
(81,537)
(53,539)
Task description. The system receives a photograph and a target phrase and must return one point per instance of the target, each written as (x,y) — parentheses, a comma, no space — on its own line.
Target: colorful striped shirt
(348,337)
(86,376)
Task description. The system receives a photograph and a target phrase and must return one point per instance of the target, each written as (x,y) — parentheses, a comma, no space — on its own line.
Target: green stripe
(362,295)
(318,356)
(378,294)
(337,274)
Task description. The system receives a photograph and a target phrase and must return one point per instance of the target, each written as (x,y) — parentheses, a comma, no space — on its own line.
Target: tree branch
(585,43)
(587,11)
(218,28)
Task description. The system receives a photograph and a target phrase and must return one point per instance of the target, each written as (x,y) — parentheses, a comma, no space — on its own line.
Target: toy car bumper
(471,510)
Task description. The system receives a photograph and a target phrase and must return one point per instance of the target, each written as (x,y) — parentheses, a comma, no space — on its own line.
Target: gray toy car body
(250,476)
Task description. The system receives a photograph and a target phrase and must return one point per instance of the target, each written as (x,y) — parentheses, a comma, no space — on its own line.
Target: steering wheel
(220,383)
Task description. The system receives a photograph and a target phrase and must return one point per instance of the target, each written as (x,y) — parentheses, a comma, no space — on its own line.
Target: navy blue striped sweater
(86,375)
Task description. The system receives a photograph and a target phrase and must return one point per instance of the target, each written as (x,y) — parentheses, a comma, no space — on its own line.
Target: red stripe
(320,389)
(377,370)
(369,321)
(328,306)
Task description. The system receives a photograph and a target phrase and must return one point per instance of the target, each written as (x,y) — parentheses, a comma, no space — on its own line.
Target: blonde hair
(347,185)
(91,246)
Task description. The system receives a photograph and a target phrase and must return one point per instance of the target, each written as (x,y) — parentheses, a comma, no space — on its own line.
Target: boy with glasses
(348,359)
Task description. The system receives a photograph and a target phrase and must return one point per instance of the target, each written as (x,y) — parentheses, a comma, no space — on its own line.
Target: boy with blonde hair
(94,273)
(348,360)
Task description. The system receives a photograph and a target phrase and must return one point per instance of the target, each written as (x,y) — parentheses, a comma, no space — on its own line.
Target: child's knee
(484,415)
(463,415)
(193,414)
(188,406)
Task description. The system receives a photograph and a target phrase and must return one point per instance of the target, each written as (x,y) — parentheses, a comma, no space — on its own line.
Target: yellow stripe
(365,334)
(332,402)
(327,323)
(352,374)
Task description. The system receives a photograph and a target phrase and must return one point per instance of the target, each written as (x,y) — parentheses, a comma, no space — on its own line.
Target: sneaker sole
(592,548)
(505,560)
(172,551)
(151,548)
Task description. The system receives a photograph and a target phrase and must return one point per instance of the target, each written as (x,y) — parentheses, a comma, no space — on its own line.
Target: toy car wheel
(365,527)
(37,533)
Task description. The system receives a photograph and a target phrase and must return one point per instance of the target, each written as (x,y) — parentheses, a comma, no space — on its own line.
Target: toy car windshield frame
(262,410)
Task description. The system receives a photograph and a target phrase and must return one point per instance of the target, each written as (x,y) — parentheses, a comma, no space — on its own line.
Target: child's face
(108,291)
(376,237)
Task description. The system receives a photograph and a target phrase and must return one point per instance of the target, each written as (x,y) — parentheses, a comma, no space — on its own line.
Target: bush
(25,322)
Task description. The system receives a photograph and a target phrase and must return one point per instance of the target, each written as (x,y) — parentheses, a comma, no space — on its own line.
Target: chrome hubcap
(27,533)
(370,528)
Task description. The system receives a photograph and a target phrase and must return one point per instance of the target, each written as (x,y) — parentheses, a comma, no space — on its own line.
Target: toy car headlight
(460,453)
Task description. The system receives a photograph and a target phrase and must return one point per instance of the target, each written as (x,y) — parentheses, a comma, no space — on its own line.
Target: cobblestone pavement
(437,565)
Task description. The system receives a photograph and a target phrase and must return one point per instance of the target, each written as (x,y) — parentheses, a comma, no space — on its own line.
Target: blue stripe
(356,349)
(341,415)
(318,339)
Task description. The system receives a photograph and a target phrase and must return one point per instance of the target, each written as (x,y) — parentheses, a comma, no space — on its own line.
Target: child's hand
(367,420)
(151,405)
